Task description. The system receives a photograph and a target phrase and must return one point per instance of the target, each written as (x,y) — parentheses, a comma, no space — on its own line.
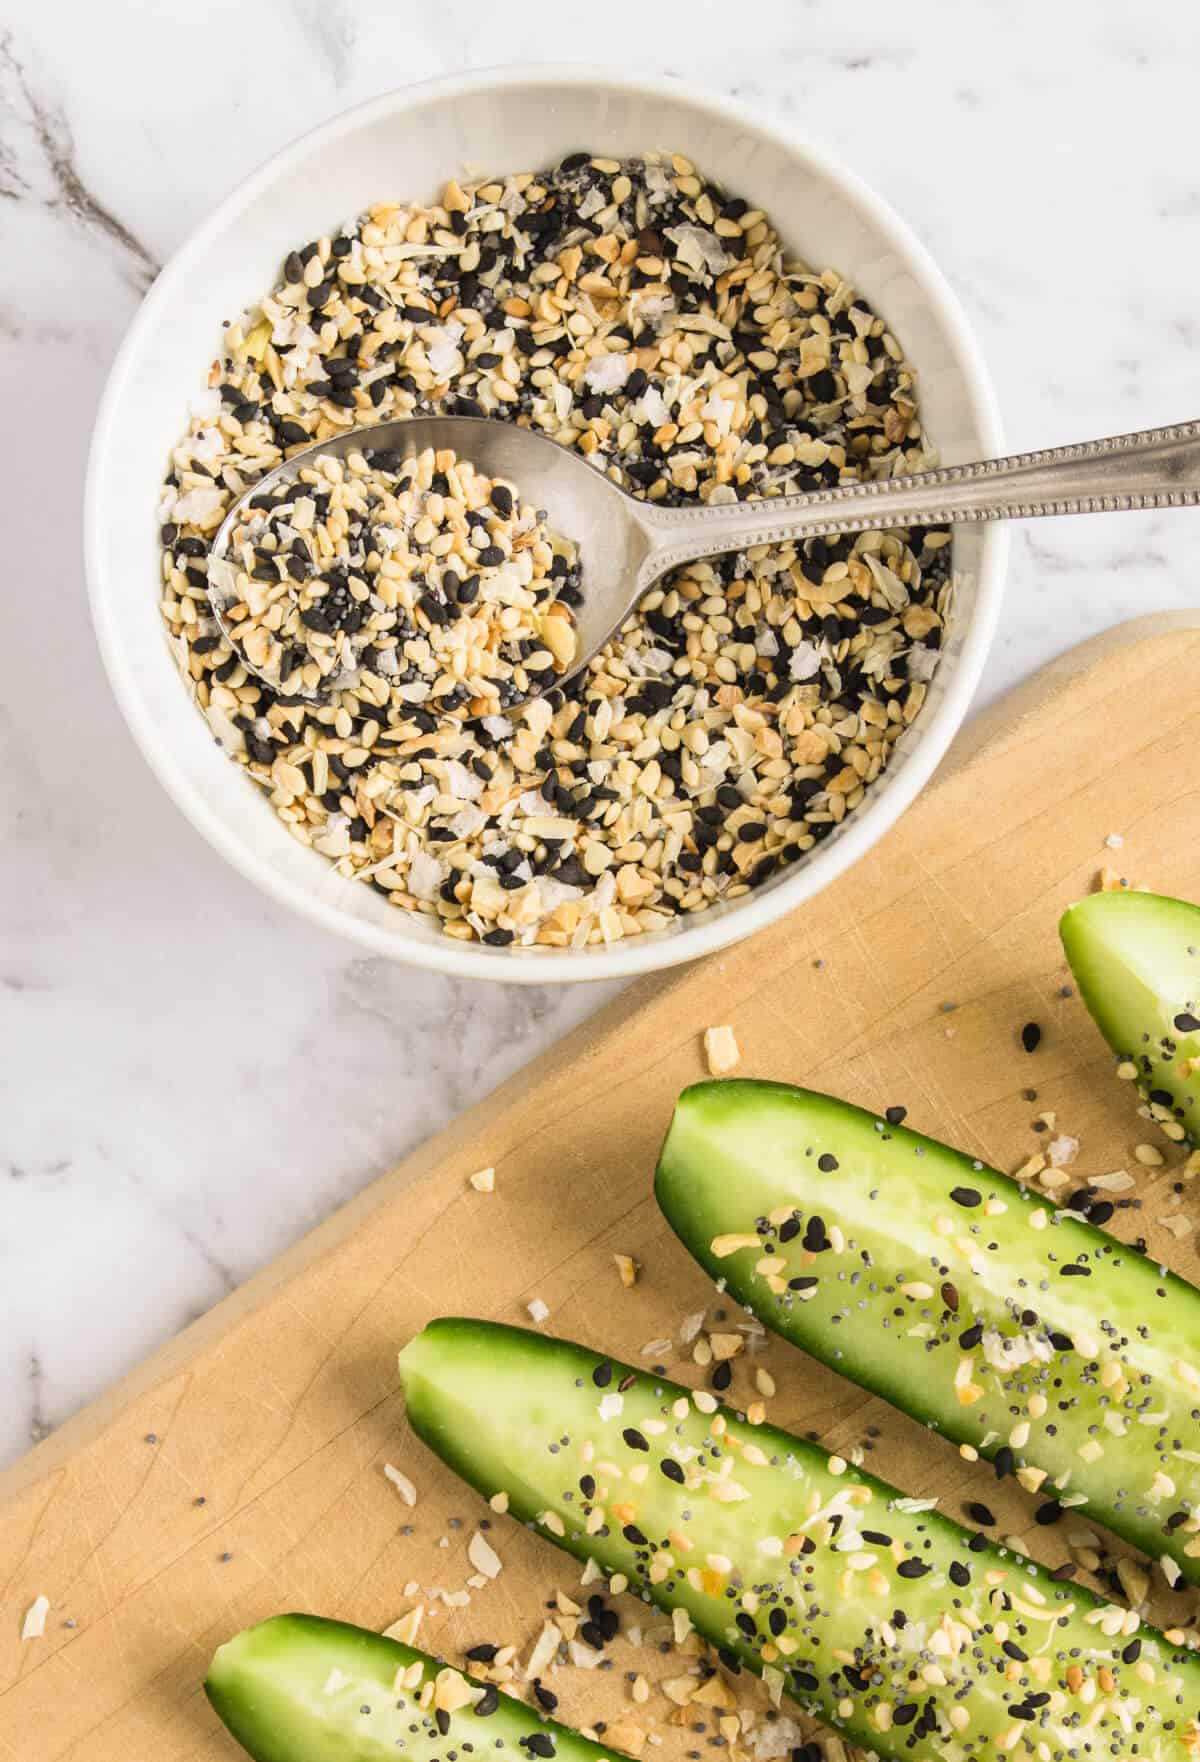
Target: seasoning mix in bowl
(636,312)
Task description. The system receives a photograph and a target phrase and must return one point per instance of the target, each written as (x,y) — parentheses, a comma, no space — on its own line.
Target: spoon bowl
(608,526)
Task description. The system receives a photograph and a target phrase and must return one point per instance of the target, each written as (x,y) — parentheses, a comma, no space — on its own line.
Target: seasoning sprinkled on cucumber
(1136,959)
(1019,1331)
(904,1631)
(298,1688)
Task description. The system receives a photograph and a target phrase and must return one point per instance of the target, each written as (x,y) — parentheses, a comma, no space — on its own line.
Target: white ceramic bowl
(404,145)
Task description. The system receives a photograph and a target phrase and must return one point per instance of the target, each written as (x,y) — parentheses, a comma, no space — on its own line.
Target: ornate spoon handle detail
(1157,468)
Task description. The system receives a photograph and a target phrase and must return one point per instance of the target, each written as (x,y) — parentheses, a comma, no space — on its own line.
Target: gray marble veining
(190,1079)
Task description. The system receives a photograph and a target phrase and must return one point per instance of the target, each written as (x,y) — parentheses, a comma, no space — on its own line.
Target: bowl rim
(633,955)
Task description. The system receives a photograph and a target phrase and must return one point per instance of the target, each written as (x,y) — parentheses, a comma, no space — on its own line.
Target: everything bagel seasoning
(638,313)
(407,581)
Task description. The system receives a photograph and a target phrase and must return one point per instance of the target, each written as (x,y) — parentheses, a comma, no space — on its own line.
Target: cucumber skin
(267,1685)
(1136,960)
(736,1150)
(490,1400)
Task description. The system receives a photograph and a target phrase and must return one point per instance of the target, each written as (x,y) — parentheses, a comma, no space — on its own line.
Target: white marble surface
(191,1079)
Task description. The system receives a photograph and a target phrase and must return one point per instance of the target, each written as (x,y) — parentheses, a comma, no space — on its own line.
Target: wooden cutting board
(240,1472)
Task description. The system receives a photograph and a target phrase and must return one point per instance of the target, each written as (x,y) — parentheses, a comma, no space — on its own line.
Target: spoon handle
(1157,468)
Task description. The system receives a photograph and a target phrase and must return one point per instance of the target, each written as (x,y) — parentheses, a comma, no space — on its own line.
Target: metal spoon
(626,544)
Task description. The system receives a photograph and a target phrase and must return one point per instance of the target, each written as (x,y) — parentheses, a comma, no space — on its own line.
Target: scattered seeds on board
(34,1625)
(483,1180)
(1148,1155)
(1119,1181)
(721,1051)
(483,1556)
(401,1483)
(627,1269)
(653,322)
(407,1627)
(537,1310)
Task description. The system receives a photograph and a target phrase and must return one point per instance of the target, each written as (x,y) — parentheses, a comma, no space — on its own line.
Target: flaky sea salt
(606,373)
(804,662)
(425,875)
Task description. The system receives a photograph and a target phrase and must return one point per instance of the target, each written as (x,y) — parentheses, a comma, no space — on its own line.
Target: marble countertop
(191,1078)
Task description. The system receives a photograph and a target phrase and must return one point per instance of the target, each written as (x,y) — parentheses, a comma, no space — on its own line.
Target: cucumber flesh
(889,1622)
(1136,959)
(944,1286)
(299,1688)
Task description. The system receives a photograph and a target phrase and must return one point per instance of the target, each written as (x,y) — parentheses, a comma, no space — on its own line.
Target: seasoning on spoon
(416,581)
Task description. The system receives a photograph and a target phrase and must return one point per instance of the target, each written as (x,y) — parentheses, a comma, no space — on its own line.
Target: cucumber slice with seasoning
(299,1688)
(878,1615)
(1136,959)
(1019,1331)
